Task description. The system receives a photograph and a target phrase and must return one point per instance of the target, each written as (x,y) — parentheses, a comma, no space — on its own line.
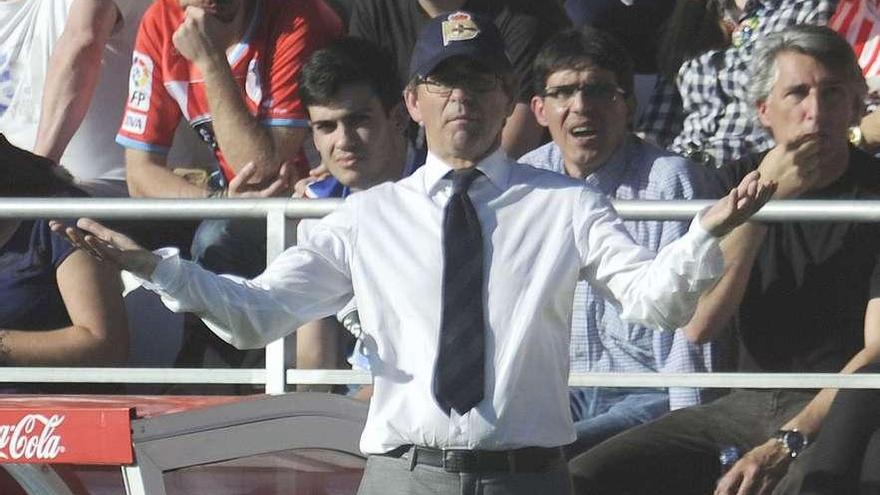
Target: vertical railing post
(278,238)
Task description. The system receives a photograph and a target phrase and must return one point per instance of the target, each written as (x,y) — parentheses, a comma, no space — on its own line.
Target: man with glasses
(584,82)
(464,274)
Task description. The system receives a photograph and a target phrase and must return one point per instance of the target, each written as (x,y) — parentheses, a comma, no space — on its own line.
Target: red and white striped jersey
(857,21)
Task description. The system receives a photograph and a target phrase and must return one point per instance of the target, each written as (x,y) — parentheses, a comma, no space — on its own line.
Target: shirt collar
(496,167)
(609,175)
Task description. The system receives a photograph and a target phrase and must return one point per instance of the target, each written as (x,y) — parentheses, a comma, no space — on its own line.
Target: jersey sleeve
(151,113)
(313,26)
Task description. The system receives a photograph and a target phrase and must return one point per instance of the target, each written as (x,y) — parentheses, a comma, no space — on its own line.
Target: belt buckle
(458,461)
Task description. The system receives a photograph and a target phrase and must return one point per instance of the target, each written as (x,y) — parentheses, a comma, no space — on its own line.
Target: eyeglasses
(592,92)
(471,83)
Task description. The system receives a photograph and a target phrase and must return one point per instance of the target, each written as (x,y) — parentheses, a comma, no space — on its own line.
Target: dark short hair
(349,60)
(576,48)
(28,175)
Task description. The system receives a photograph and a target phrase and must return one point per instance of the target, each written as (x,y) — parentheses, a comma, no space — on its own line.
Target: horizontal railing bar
(660,380)
(137,208)
(727,380)
(328,377)
(167,209)
(798,210)
(250,376)
(257,376)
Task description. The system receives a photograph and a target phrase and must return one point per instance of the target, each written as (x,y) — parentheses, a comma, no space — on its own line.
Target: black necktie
(459,370)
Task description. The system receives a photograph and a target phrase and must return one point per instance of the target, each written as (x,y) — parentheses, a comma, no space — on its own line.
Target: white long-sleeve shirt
(542,231)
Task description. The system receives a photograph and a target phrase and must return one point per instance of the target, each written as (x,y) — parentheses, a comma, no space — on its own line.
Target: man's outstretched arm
(661,290)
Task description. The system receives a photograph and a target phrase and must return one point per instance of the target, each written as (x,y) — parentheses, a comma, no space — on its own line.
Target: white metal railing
(278,213)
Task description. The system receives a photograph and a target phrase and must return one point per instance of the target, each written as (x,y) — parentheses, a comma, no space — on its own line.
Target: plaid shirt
(708,116)
(600,340)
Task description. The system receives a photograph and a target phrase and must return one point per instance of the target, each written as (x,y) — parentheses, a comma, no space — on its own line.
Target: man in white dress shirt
(499,427)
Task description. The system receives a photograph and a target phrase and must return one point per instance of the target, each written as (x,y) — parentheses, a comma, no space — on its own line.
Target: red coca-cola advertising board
(65,435)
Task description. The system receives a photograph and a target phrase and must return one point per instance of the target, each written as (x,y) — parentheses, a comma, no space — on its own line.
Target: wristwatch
(793,441)
(856,137)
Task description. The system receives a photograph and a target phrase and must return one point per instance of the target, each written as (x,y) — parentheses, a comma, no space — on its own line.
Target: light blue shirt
(600,340)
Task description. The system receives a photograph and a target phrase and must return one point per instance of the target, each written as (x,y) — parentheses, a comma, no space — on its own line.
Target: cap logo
(459,27)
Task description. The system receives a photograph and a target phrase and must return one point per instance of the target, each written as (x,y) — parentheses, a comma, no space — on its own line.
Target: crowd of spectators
(235,98)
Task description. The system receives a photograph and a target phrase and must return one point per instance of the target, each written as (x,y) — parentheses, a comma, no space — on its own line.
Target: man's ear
(411,99)
(763,113)
(537,106)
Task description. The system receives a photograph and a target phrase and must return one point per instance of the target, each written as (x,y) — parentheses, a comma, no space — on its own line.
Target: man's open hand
(241,186)
(757,473)
(106,244)
(739,205)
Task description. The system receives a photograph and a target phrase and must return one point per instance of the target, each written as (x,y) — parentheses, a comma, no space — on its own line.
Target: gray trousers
(393,476)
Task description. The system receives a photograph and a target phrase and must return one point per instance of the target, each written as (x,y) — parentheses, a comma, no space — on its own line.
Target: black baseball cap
(458,34)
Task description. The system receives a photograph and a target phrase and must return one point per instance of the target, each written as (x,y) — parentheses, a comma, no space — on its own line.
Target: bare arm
(521,132)
(74,70)
(148,177)
(98,334)
(240,136)
(718,305)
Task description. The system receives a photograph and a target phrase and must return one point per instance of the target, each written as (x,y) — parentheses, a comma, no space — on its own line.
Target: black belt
(525,460)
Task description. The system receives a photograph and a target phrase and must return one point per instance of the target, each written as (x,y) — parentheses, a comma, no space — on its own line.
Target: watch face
(794,441)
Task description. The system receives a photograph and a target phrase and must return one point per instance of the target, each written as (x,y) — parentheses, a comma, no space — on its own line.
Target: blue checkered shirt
(600,340)
(708,114)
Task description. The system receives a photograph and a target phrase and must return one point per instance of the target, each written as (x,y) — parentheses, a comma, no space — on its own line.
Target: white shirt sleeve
(304,283)
(659,292)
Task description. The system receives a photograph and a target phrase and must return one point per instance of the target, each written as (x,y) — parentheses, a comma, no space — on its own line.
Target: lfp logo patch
(140,84)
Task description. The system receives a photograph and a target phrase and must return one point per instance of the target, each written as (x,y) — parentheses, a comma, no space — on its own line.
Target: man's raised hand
(198,37)
(739,205)
(107,244)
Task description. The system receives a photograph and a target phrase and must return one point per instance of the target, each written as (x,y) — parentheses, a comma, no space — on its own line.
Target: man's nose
(461,93)
(347,136)
(579,102)
(815,107)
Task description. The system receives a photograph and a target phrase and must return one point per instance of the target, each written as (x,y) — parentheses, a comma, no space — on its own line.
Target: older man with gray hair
(805,294)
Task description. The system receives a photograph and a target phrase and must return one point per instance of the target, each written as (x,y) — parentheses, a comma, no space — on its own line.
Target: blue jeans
(600,413)
(237,247)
